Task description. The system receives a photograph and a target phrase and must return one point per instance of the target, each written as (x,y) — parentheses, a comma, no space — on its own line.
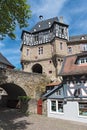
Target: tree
(13,12)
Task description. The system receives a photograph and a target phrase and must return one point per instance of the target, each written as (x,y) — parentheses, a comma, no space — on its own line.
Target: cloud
(47,8)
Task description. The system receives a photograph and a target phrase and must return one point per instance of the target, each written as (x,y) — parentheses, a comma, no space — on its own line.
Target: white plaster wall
(71,112)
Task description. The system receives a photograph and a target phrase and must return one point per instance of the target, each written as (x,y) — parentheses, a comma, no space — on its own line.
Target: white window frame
(61,46)
(83,47)
(81,115)
(82,60)
(40,50)
(51,106)
(57,109)
(58,92)
(69,50)
(27,52)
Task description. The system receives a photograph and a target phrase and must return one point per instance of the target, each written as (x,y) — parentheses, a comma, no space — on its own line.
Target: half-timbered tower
(44,47)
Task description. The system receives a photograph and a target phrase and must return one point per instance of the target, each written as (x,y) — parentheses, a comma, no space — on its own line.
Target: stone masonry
(32,84)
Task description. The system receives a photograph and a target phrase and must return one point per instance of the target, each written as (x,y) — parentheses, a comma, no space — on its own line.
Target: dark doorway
(37,68)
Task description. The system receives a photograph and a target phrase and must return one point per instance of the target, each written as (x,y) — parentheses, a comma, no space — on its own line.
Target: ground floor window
(56,106)
(60,106)
(83,108)
(53,106)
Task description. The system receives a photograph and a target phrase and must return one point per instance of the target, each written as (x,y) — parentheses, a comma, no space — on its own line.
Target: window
(82,38)
(46,38)
(36,38)
(82,60)
(60,106)
(27,52)
(57,106)
(83,108)
(53,106)
(69,50)
(50,72)
(62,31)
(61,46)
(58,92)
(50,61)
(40,50)
(83,47)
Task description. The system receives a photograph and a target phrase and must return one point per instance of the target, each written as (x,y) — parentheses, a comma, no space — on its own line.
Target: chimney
(61,19)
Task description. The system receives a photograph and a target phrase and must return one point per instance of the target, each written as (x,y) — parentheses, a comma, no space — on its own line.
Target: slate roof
(70,67)
(78,38)
(45,24)
(5,61)
(52,91)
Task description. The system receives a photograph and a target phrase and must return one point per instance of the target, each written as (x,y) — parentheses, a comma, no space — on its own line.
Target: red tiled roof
(54,83)
(71,68)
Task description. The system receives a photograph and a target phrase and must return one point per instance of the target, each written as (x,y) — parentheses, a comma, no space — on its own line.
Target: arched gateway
(18,83)
(37,68)
(9,95)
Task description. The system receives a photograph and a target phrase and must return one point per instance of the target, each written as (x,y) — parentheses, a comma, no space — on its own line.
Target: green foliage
(24,104)
(13,12)
(24,98)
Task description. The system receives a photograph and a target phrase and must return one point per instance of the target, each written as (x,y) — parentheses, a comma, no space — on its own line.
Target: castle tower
(44,47)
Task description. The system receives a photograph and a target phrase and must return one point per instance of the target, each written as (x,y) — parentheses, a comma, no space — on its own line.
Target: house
(46,44)
(68,100)
(4,63)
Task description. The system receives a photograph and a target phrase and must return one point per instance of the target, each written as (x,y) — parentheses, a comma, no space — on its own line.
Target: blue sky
(74,13)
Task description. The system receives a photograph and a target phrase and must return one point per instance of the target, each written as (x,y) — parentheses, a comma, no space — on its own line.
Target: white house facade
(72,110)
(68,100)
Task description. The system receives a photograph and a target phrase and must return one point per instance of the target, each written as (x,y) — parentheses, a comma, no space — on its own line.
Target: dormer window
(39,26)
(83,47)
(34,30)
(49,23)
(69,50)
(82,60)
(82,38)
(59,92)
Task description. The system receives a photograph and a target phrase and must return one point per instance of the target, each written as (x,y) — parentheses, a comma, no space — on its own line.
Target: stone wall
(33,84)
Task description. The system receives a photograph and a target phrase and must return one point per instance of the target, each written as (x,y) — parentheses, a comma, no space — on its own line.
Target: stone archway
(10,98)
(37,68)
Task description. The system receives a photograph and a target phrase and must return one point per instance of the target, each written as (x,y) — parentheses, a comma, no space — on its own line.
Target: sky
(74,14)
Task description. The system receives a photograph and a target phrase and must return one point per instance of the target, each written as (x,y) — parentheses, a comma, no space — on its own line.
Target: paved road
(14,120)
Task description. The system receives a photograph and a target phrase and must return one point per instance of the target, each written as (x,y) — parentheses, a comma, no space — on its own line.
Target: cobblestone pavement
(14,120)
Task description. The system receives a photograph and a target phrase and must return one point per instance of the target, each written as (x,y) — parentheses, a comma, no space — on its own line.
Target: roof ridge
(78,35)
